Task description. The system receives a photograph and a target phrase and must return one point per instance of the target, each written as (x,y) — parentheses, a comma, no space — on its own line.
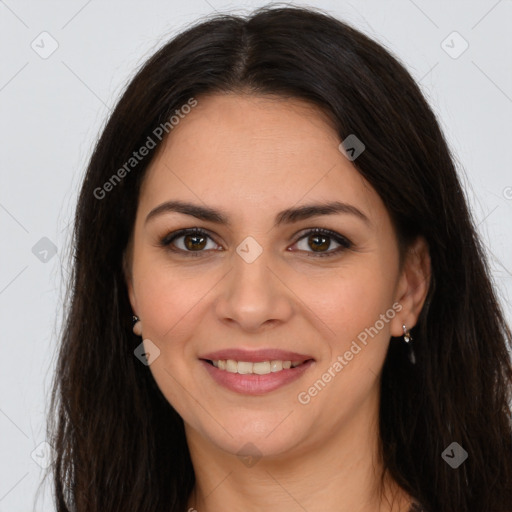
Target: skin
(252,157)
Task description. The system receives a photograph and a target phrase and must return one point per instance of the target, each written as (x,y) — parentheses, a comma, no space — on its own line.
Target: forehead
(252,153)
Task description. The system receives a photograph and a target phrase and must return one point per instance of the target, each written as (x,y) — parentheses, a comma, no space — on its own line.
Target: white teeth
(259,368)
(276,366)
(244,367)
(231,366)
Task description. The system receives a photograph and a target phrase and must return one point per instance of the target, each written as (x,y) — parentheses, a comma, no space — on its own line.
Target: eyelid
(343,241)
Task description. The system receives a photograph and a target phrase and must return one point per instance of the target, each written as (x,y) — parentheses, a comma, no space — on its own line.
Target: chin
(256,439)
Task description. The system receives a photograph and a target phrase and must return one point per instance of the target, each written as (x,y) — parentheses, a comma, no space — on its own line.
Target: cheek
(344,303)
(171,304)
(169,298)
(357,308)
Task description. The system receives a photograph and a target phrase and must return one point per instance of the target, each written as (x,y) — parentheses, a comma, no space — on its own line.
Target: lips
(256,384)
(246,372)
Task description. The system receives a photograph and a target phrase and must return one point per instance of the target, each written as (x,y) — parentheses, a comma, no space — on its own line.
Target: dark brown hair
(120,445)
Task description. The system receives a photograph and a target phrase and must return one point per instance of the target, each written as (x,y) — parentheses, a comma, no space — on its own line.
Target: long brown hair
(120,445)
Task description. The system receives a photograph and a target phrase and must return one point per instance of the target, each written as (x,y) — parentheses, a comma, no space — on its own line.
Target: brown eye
(188,241)
(320,240)
(194,242)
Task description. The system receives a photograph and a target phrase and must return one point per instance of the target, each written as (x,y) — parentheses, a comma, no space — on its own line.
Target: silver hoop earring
(408,339)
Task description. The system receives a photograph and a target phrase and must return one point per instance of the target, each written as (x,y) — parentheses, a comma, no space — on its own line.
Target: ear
(413,286)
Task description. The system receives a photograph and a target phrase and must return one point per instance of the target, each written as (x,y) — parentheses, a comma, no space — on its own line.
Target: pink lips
(252,384)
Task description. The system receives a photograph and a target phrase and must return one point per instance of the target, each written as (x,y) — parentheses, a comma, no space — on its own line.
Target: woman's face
(257,281)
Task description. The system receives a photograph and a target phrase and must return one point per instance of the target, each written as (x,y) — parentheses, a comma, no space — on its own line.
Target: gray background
(53,106)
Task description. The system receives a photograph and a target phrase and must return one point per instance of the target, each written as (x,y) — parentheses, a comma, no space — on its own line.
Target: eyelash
(167,240)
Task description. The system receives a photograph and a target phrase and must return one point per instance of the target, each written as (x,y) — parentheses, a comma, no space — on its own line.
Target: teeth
(244,367)
(231,366)
(276,366)
(259,368)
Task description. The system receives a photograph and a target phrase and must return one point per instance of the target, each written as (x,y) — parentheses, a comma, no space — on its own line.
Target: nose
(253,295)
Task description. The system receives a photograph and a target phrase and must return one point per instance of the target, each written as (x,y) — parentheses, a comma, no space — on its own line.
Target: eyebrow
(288,216)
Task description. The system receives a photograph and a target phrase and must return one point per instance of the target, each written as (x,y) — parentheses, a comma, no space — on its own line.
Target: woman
(315,328)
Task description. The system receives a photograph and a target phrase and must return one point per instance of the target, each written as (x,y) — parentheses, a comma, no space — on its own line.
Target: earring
(137,328)
(408,339)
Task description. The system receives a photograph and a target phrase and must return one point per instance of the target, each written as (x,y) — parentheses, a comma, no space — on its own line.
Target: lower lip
(252,384)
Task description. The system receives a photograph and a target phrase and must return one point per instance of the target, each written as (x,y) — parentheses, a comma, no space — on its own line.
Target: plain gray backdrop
(63,66)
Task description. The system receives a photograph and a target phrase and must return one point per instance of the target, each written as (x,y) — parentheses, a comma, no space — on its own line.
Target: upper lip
(254,356)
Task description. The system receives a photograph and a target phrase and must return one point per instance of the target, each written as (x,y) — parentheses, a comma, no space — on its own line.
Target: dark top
(416,508)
